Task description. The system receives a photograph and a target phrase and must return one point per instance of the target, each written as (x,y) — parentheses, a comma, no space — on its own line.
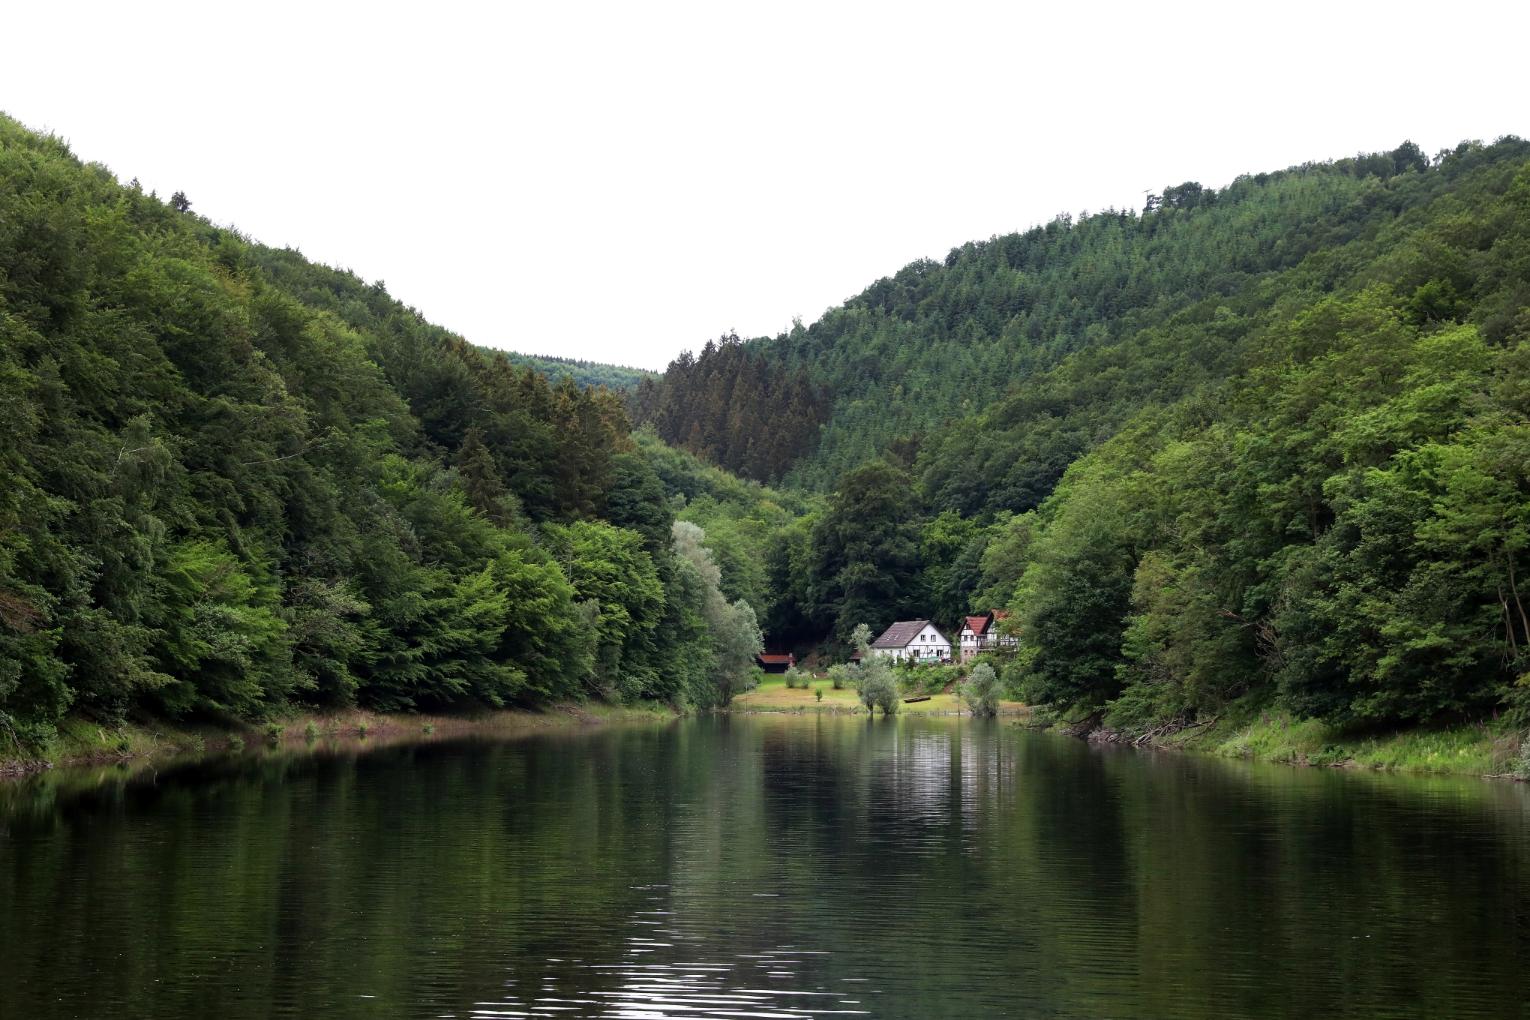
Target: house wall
(929,644)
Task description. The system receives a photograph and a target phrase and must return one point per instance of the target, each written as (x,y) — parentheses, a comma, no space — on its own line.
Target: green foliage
(734,408)
(1341,523)
(980,691)
(731,629)
(231,479)
(1263,443)
(610,570)
(951,550)
(864,551)
(943,339)
(876,686)
(1521,766)
(219,634)
(585,373)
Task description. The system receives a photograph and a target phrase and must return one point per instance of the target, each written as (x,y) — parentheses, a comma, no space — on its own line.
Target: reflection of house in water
(939,775)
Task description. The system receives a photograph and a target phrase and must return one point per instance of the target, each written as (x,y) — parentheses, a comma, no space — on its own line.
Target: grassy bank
(1490,748)
(772,695)
(82,742)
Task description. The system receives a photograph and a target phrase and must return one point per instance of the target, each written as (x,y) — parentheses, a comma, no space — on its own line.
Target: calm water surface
(762,867)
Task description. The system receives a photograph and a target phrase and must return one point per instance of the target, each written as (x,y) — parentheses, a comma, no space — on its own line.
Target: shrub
(981,691)
(1521,768)
(877,687)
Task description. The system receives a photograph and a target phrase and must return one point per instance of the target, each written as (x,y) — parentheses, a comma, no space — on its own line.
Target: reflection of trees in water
(960,868)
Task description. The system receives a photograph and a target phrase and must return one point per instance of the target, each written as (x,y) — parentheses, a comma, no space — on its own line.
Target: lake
(761,866)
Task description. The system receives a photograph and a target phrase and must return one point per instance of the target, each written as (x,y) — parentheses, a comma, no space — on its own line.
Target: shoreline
(1477,750)
(1482,750)
(83,744)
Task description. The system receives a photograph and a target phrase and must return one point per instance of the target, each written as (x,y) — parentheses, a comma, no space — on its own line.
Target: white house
(982,634)
(976,635)
(912,639)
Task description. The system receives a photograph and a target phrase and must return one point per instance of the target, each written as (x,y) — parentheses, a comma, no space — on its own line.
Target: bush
(794,678)
(981,691)
(931,679)
(818,693)
(877,687)
(1521,768)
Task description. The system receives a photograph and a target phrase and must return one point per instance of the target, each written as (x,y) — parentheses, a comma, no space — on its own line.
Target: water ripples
(646,985)
(765,868)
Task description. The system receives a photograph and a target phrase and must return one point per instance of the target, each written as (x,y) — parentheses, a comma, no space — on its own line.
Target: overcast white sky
(621,181)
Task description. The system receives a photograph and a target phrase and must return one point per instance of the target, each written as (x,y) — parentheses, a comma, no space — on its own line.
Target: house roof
(901,633)
(978,624)
(774,659)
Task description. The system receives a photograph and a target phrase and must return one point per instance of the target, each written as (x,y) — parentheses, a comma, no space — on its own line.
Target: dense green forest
(232,481)
(585,373)
(1266,445)
(942,341)
(735,408)
(1288,466)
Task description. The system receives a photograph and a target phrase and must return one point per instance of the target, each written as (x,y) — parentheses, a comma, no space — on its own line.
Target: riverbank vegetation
(77,741)
(1489,748)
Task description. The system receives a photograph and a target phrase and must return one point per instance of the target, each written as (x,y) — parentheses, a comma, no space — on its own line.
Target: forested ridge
(232,481)
(1264,446)
(585,373)
(732,406)
(1288,466)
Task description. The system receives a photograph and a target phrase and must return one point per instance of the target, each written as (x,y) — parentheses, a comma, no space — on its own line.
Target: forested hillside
(231,480)
(1264,446)
(1293,472)
(940,341)
(585,373)
(734,407)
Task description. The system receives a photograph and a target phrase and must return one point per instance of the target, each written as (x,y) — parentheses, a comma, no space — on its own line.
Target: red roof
(773,659)
(978,624)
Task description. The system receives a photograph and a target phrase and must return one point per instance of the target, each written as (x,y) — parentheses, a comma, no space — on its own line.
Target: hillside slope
(585,373)
(231,480)
(939,343)
(1305,488)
